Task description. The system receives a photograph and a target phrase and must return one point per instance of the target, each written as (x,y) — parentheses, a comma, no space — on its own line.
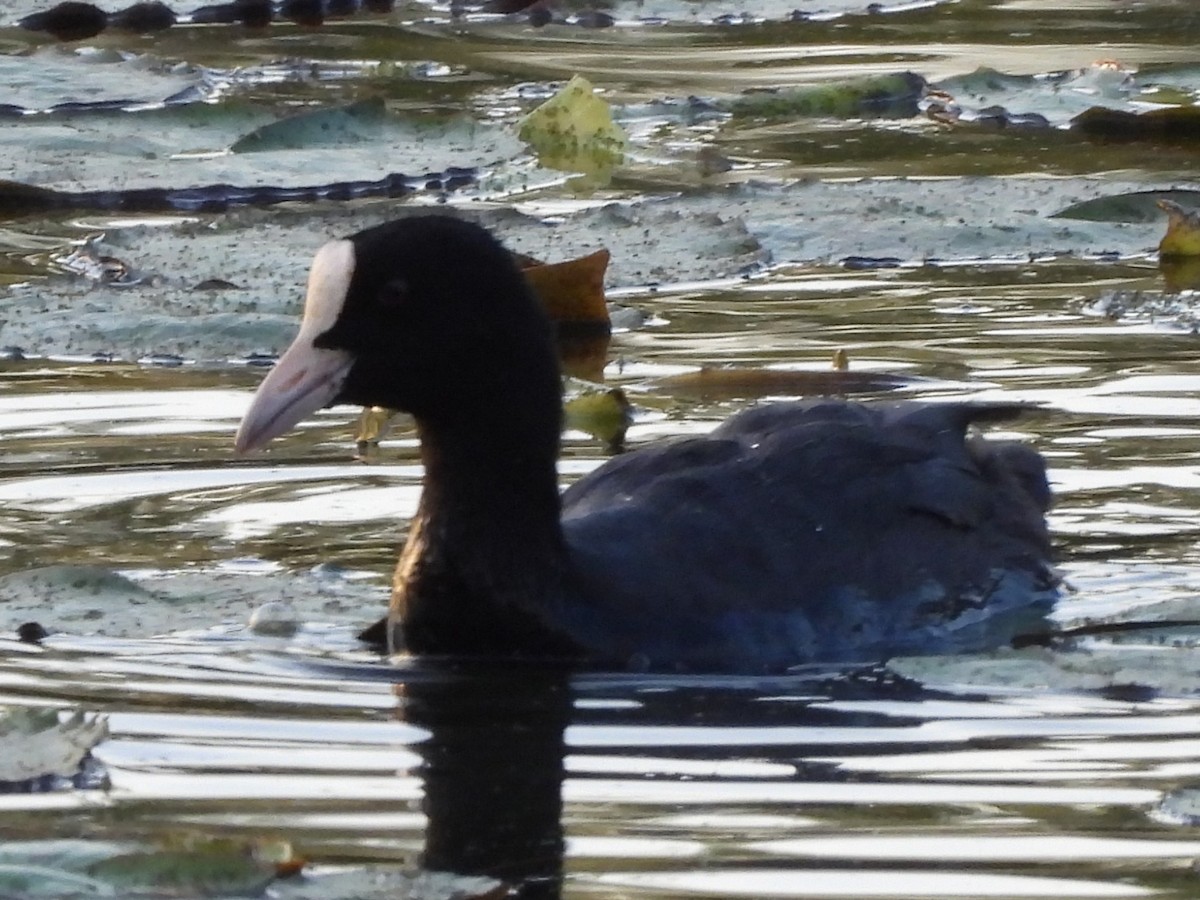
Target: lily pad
(886,96)
(1174,124)
(34,743)
(206,871)
(1132,206)
(351,124)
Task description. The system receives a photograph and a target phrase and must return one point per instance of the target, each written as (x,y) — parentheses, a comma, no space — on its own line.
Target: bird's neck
(485,560)
(486,482)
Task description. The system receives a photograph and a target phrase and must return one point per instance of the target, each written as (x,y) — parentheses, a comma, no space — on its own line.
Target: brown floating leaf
(572,291)
(731,383)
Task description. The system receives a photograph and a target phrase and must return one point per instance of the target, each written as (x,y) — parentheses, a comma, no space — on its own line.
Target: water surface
(1067,771)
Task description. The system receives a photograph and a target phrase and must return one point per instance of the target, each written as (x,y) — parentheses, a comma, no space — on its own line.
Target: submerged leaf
(573,131)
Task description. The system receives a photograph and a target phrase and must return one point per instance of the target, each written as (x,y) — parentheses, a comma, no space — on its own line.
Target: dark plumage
(795,532)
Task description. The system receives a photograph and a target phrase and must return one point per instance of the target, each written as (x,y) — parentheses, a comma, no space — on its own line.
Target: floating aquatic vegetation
(882,96)
(1170,125)
(18,199)
(942,108)
(203,867)
(574,131)
(356,122)
(1128,206)
(43,751)
(59,83)
(572,293)
(729,382)
(1054,97)
(77,21)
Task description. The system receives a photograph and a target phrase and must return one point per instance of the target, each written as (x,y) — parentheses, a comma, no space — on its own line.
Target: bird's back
(811,531)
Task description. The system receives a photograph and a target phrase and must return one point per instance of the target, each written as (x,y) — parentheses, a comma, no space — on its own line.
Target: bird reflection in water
(492,769)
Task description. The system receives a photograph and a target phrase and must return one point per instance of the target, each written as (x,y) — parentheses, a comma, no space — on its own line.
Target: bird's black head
(427,314)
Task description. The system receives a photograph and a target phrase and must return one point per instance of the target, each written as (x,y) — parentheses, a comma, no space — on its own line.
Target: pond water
(129,529)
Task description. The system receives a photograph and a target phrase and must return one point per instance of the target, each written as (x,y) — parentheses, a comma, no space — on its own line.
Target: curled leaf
(372,426)
(572,291)
(1183,230)
(605,415)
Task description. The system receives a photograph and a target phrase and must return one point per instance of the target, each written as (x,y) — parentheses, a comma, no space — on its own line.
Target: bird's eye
(394,292)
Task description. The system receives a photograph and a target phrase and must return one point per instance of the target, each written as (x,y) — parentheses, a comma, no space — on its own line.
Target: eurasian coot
(795,532)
